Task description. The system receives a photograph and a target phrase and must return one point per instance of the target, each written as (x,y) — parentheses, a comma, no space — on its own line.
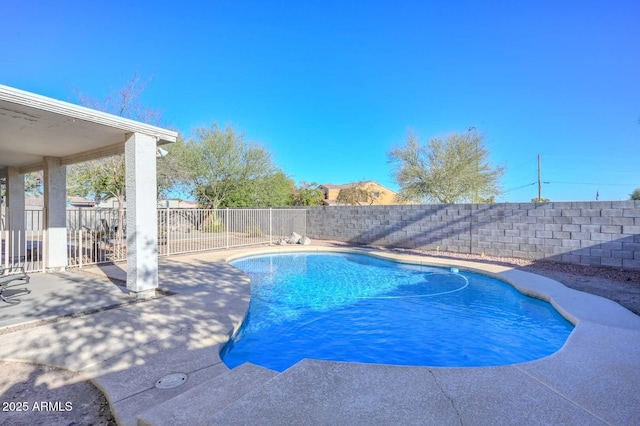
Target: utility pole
(539,181)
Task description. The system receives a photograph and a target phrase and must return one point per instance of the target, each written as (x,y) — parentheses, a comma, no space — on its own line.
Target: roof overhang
(33,127)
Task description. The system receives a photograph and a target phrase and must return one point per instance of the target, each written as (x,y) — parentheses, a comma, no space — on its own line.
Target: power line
(520,187)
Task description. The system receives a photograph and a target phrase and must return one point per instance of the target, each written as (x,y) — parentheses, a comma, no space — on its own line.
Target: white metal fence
(22,241)
(192,230)
(94,235)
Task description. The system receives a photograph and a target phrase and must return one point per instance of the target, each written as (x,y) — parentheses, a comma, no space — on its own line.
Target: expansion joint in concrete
(562,395)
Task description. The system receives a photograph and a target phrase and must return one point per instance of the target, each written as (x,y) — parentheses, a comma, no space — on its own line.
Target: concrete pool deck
(593,379)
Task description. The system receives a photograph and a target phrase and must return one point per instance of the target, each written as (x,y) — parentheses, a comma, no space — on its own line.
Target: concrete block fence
(603,233)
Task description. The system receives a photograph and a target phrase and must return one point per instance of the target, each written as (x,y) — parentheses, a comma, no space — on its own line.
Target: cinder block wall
(605,233)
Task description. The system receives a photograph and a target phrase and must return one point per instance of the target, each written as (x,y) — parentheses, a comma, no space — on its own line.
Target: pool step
(198,404)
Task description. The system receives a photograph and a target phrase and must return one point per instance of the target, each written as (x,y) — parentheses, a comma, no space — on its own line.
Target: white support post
(15,214)
(55,215)
(142,215)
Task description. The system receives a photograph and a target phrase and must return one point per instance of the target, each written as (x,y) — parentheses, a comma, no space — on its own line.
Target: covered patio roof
(40,133)
(33,127)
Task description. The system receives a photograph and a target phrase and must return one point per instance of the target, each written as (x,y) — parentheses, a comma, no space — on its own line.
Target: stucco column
(15,213)
(142,217)
(55,214)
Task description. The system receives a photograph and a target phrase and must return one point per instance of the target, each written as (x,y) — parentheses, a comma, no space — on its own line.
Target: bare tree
(105,178)
(125,102)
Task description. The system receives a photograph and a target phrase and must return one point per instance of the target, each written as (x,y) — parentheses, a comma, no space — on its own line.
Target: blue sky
(329,87)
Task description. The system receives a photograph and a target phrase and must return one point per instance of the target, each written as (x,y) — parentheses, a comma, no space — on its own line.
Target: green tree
(32,185)
(171,173)
(635,195)
(275,190)
(224,170)
(358,193)
(101,179)
(308,194)
(451,170)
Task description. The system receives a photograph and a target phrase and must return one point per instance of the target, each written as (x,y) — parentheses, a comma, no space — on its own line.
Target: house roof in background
(349,185)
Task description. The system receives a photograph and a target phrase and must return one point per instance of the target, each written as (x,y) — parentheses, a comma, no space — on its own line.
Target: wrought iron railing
(94,235)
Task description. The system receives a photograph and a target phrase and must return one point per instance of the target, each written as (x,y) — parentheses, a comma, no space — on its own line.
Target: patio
(57,295)
(125,348)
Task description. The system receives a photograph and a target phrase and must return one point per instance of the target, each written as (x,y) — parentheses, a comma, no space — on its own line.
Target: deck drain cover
(171,381)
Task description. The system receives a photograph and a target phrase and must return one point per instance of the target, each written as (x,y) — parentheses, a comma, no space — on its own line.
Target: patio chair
(8,278)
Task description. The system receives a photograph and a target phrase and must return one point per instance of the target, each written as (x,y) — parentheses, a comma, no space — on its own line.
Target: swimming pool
(357,308)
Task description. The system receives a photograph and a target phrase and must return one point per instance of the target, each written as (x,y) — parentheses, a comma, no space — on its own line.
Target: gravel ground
(38,395)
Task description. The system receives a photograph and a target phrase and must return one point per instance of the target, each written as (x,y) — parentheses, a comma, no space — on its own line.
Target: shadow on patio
(126,346)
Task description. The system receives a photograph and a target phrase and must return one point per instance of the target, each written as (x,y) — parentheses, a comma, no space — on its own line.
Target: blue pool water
(356,308)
